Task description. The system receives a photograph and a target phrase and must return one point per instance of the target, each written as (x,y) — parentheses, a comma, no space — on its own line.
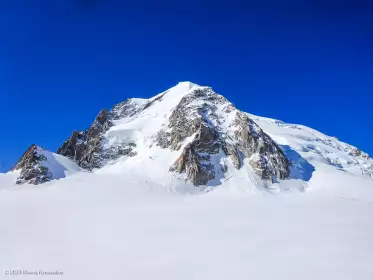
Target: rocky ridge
(219,130)
(90,148)
(31,167)
(217,127)
(207,132)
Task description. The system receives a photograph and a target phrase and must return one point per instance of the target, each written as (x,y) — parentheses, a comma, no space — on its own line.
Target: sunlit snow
(133,219)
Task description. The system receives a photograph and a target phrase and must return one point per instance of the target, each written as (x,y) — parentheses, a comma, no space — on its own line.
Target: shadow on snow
(301,168)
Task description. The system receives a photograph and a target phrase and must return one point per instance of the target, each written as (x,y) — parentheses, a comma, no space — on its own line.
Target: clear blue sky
(61,61)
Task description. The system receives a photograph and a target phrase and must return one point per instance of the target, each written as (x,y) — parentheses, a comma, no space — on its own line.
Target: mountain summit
(209,134)
(191,135)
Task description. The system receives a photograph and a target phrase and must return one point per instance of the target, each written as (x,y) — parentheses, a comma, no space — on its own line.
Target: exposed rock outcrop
(87,147)
(219,129)
(127,108)
(355,152)
(91,148)
(266,157)
(196,158)
(31,167)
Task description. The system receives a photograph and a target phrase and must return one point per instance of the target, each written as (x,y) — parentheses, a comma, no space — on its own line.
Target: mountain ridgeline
(204,134)
(200,114)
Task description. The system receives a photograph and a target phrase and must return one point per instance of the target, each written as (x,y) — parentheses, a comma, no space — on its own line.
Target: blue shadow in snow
(301,168)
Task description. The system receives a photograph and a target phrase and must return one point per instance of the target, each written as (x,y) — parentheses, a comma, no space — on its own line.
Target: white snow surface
(58,165)
(133,219)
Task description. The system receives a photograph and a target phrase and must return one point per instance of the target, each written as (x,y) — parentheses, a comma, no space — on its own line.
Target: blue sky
(307,62)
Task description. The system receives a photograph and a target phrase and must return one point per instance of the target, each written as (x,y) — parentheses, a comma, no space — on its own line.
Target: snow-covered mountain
(119,200)
(190,135)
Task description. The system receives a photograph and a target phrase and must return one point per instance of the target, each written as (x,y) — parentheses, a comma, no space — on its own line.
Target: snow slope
(310,151)
(321,160)
(110,226)
(316,146)
(58,165)
(133,219)
(142,128)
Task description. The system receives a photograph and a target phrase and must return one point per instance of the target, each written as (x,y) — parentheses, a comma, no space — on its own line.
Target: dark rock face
(101,124)
(195,159)
(90,149)
(234,155)
(74,146)
(86,147)
(266,157)
(187,117)
(32,170)
(204,114)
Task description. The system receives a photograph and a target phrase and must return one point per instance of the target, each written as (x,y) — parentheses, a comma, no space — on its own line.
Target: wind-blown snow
(133,219)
